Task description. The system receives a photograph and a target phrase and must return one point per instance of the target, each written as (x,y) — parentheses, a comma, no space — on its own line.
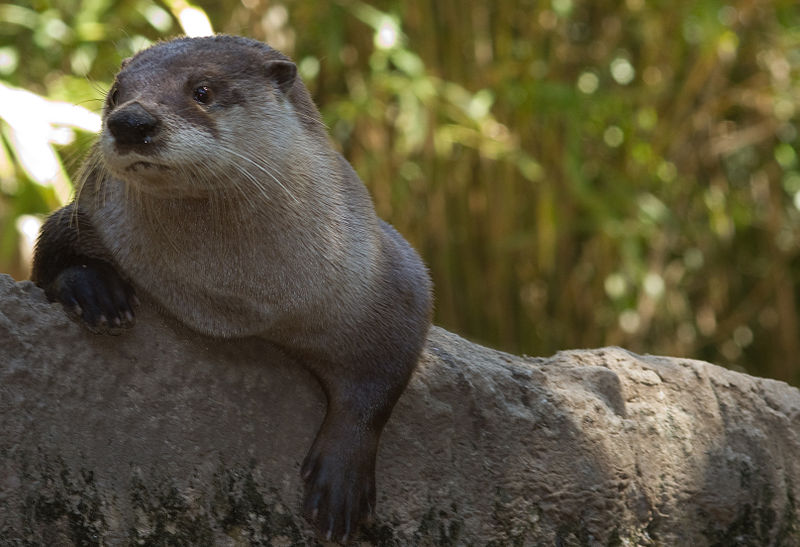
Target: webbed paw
(340,487)
(96,296)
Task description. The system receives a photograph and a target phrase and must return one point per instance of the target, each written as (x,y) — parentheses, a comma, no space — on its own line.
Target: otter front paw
(96,296)
(340,488)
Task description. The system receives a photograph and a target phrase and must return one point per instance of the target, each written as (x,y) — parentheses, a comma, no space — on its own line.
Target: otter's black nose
(132,124)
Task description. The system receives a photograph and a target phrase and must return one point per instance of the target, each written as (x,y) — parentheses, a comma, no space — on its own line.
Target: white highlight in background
(195,22)
(36,124)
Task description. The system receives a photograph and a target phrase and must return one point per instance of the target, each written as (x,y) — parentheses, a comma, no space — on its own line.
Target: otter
(214,189)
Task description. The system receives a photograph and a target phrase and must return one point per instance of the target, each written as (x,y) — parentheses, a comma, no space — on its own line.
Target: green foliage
(575,173)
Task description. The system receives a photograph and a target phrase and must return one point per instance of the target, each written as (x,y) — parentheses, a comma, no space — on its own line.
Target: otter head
(197,116)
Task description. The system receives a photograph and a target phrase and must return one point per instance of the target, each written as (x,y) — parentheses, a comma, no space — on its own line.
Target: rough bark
(163,437)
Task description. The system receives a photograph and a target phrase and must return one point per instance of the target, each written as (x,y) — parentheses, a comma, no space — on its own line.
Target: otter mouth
(146,165)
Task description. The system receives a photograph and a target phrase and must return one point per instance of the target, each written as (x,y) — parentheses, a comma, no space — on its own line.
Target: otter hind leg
(339,470)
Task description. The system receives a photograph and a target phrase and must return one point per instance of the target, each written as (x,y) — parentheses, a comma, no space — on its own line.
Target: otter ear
(283,73)
(125,62)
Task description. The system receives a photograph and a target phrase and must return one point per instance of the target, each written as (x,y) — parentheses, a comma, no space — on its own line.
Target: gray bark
(163,437)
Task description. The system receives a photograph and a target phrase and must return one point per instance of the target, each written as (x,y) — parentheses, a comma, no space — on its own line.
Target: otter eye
(113,95)
(202,94)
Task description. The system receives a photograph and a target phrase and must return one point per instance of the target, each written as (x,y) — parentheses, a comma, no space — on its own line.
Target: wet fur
(240,219)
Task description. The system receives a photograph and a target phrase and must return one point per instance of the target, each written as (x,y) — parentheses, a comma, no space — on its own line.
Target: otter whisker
(264,170)
(267,163)
(316,120)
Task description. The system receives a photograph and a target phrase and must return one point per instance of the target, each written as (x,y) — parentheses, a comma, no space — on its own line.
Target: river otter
(214,189)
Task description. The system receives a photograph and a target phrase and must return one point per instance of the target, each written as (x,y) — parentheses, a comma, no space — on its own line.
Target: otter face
(182,110)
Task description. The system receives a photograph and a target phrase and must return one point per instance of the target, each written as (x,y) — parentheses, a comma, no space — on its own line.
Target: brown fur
(237,217)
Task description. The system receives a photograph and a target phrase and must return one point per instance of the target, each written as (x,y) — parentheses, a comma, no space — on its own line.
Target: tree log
(161,436)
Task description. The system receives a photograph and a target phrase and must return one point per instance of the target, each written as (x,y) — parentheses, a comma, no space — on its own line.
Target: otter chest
(212,292)
(214,285)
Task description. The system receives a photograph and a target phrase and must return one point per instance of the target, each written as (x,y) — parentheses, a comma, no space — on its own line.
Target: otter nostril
(132,125)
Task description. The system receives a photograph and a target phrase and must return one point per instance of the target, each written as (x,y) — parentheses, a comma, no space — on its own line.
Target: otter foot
(340,485)
(96,296)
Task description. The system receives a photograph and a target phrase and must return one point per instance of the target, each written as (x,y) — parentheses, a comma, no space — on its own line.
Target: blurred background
(575,173)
